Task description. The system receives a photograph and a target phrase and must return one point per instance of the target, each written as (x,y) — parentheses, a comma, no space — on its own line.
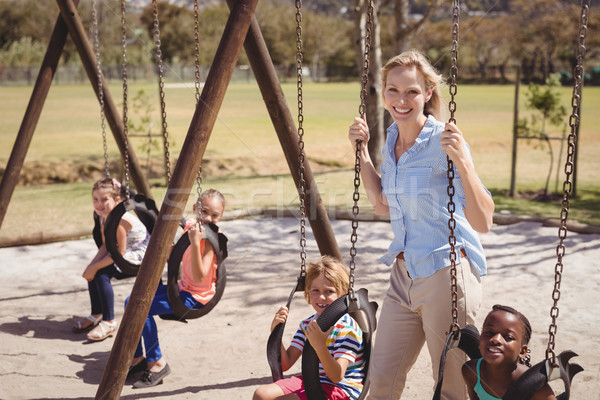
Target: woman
(413,190)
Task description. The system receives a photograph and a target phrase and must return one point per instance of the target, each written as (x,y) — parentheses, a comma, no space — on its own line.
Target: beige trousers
(415,312)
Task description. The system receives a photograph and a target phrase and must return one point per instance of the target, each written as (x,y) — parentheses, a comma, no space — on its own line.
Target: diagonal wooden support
(64,25)
(32,114)
(178,192)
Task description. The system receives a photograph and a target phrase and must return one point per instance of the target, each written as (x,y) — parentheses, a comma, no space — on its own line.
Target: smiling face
(211,209)
(104,201)
(405,95)
(322,293)
(501,341)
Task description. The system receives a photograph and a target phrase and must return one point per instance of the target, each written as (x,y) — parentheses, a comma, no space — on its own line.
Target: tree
(176,26)
(536,44)
(325,37)
(277,23)
(546,103)
(28,19)
(405,27)
(482,38)
(374,101)
(23,52)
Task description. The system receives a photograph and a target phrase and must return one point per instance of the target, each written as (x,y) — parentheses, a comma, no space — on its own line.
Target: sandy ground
(222,355)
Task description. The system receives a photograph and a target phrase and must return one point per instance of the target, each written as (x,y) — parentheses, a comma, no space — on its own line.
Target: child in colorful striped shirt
(340,349)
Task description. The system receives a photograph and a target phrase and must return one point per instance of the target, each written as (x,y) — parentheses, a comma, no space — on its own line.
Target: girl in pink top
(200,283)
(196,288)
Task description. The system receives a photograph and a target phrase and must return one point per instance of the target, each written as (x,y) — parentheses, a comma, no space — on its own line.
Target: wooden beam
(178,192)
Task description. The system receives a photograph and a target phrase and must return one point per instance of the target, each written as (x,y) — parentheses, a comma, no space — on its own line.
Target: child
(340,349)
(132,239)
(196,288)
(503,346)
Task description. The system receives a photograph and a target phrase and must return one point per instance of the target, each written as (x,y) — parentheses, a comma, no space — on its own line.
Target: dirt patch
(73,171)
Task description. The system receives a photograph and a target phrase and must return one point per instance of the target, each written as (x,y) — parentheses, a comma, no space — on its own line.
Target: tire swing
(144,208)
(217,240)
(355,303)
(180,311)
(467,338)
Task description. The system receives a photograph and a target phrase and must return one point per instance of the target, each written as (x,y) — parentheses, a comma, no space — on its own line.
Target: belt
(400,255)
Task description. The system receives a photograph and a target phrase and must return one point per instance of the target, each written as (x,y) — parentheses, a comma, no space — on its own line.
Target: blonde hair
(116,190)
(432,78)
(333,270)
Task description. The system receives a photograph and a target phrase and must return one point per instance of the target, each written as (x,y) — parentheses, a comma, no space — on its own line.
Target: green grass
(584,208)
(244,139)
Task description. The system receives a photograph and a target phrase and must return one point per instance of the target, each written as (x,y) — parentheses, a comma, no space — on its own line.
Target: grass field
(246,160)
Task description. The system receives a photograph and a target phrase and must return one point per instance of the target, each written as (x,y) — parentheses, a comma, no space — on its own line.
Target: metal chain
(301,157)
(199,194)
(125,90)
(454,55)
(100,86)
(355,211)
(454,327)
(362,111)
(567,185)
(197,48)
(197,86)
(161,89)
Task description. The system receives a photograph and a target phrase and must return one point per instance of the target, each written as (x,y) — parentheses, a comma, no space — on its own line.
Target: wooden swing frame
(241,29)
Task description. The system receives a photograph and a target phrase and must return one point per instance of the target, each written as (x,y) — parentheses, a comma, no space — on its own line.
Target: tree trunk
(401,12)
(374,102)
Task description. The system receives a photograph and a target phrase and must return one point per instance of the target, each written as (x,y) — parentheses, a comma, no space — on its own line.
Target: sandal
(102,331)
(85,324)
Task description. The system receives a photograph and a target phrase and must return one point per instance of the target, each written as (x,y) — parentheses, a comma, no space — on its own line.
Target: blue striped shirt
(416,190)
(345,341)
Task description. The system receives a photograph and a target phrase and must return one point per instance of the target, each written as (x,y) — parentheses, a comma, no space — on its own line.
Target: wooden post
(32,113)
(177,195)
(266,77)
(513,168)
(88,58)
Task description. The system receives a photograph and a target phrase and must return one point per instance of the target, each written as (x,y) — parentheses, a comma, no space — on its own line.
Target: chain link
(567,185)
(197,86)
(125,100)
(362,109)
(197,49)
(161,89)
(100,86)
(454,327)
(301,156)
(454,56)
